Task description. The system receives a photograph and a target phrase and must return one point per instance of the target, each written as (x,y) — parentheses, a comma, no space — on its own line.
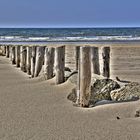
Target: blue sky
(69,13)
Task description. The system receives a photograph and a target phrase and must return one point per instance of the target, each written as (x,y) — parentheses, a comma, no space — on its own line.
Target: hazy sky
(65,13)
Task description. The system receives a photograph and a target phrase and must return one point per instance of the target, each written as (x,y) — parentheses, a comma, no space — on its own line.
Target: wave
(69,39)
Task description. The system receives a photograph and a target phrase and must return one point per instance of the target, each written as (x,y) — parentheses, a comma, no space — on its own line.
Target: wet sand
(30,109)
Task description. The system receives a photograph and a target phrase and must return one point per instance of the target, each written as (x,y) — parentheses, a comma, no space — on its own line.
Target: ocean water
(69,34)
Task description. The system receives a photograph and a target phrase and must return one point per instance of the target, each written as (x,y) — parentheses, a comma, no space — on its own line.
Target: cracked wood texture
(17,56)
(95,60)
(33,58)
(77,53)
(85,76)
(39,60)
(28,60)
(7,51)
(49,62)
(106,61)
(60,64)
(13,55)
(23,54)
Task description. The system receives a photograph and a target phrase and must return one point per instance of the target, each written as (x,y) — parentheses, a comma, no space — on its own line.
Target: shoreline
(71,42)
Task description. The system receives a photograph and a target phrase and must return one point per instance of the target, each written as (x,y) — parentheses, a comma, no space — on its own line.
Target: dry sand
(33,110)
(125,60)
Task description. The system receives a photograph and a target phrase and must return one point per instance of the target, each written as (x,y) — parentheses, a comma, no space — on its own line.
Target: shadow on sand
(105,102)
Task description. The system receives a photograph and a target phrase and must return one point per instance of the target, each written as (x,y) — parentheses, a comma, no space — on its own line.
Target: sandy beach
(37,110)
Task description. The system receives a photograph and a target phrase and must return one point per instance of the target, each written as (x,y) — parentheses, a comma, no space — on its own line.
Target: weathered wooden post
(95,60)
(1,49)
(10,52)
(78,68)
(85,76)
(49,62)
(60,64)
(13,55)
(7,51)
(39,60)
(17,56)
(106,61)
(4,50)
(23,58)
(77,55)
(29,52)
(33,59)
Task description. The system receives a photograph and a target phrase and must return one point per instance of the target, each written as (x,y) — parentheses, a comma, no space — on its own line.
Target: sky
(69,13)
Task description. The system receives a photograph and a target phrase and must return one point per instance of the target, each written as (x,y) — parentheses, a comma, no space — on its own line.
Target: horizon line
(70,26)
(2,27)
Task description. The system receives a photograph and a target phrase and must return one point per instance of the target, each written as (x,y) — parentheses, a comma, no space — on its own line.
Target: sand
(125,60)
(35,110)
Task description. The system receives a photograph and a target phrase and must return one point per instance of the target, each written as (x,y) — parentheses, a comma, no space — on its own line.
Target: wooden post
(85,76)
(7,51)
(49,63)
(39,60)
(29,52)
(17,56)
(77,55)
(1,48)
(10,53)
(106,61)
(33,59)
(23,58)
(4,50)
(95,60)
(78,80)
(13,55)
(60,64)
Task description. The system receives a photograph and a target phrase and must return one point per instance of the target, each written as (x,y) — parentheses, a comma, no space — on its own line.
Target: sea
(69,35)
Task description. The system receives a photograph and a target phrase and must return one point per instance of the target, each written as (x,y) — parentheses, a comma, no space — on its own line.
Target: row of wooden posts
(30,59)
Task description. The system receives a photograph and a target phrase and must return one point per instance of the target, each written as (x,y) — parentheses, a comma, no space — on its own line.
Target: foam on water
(69,34)
(51,39)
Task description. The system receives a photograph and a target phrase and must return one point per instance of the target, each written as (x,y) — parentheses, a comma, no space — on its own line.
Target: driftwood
(39,60)
(85,76)
(60,64)
(49,62)
(122,81)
